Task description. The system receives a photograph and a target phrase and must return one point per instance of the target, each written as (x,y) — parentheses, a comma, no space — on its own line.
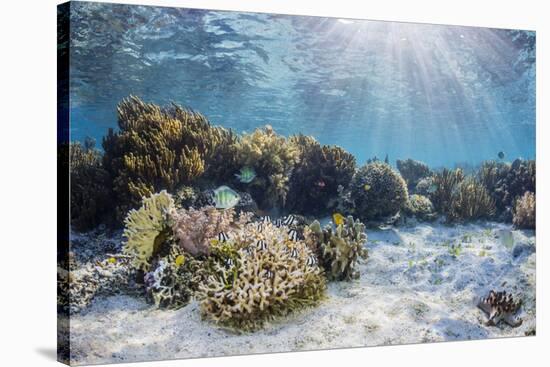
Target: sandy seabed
(413,289)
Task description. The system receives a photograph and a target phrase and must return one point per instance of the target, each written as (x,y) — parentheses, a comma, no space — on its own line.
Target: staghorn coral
(500,306)
(525,211)
(339,249)
(444,185)
(157,148)
(260,284)
(413,171)
(193,228)
(272,157)
(470,201)
(147,228)
(174,280)
(317,175)
(90,187)
(378,191)
(420,207)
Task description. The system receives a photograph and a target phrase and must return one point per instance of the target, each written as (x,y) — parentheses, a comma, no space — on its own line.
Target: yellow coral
(146,229)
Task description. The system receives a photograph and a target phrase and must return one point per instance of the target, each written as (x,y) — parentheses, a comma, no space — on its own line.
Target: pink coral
(194,228)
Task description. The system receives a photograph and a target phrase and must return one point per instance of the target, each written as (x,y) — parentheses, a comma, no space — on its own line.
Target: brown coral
(471,201)
(525,211)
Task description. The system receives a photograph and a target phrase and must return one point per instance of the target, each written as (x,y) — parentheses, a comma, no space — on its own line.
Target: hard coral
(420,207)
(257,283)
(525,211)
(500,306)
(412,171)
(147,228)
(157,148)
(272,157)
(317,175)
(378,191)
(339,249)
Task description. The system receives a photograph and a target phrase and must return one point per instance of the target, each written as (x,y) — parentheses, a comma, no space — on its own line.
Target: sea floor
(414,288)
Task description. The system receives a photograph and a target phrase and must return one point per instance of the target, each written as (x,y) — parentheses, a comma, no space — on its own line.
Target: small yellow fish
(366,187)
(179,260)
(111,260)
(338,219)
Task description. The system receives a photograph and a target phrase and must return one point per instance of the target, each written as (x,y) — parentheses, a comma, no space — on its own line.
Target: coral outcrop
(157,148)
(525,211)
(421,207)
(500,306)
(194,228)
(444,186)
(147,228)
(413,171)
(339,247)
(378,191)
(318,174)
(260,274)
(470,201)
(272,157)
(90,187)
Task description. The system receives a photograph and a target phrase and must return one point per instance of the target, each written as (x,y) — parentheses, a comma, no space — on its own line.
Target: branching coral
(500,306)
(420,207)
(90,187)
(174,280)
(157,148)
(267,276)
(147,228)
(412,171)
(339,248)
(194,228)
(471,201)
(272,157)
(525,211)
(378,191)
(445,184)
(317,175)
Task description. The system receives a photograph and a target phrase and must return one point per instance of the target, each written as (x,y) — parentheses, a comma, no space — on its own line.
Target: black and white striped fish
(260,227)
(293,235)
(248,250)
(311,261)
(294,253)
(261,245)
(290,220)
(223,237)
(279,223)
(266,219)
(229,262)
(269,274)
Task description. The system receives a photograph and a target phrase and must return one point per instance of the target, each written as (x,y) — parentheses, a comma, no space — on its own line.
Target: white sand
(411,290)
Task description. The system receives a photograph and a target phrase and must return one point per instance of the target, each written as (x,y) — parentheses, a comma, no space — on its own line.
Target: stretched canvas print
(237,183)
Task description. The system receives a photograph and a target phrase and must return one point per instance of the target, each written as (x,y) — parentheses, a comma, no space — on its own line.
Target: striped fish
(294,253)
(260,227)
(225,197)
(311,261)
(290,220)
(269,274)
(293,235)
(223,237)
(279,223)
(229,262)
(261,245)
(249,250)
(266,219)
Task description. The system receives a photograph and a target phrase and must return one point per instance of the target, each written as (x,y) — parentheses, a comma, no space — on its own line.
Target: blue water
(445,95)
